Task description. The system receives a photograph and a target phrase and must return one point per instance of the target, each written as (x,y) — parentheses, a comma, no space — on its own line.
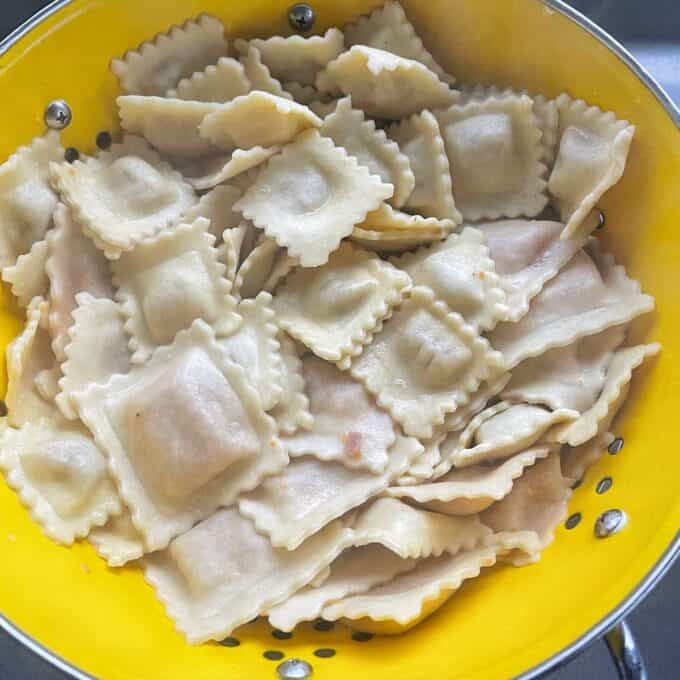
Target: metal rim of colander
(671,553)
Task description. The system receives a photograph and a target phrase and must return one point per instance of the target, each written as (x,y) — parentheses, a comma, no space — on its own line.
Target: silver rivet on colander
(294,669)
(601,220)
(58,114)
(610,523)
(301,17)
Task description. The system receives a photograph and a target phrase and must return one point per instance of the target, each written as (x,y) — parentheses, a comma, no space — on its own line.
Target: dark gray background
(651,30)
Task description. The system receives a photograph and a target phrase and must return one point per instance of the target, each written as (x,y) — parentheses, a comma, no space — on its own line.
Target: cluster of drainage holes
(104,141)
(322,652)
(276,655)
(603,485)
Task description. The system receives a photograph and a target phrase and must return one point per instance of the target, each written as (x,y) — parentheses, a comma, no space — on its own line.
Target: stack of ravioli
(322,335)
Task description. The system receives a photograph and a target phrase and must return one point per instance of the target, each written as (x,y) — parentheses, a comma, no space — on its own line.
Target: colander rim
(664,563)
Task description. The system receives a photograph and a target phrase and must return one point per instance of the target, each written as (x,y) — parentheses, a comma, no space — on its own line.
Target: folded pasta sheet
(185,433)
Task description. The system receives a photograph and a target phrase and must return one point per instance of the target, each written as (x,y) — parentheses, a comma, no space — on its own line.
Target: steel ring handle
(625,653)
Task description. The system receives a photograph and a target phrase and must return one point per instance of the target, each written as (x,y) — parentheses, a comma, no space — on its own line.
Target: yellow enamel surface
(109,623)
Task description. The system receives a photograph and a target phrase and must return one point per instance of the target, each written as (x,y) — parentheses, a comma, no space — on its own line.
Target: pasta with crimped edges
(324,337)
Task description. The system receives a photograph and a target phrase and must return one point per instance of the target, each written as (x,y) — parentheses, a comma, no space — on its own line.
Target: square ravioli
(528,253)
(349,128)
(596,420)
(425,363)
(420,139)
(309,493)
(470,490)
(494,150)
(591,158)
(220,82)
(167,282)
(498,432)
(566,377)
(385,85)
(296,58)
(217,205)
(354,571)
(537,504)
(256,119)
(335,309)
(123,195)
(405,599)
(26,197)
(117,542)
(347,425)
(461,274)
(389,29)
(254,347)
(415,533)
(589,295)
(169,125)
(259,75)
(545,111)
(28,356)
(185,433)
(212,171)
(60,475)
(309,197)
(262,269)
(97,349)
(292,412)
(157,65)
(221,573)
(28,278)
(74,265)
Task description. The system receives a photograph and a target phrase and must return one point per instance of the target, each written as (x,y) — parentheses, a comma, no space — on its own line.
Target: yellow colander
(510,621)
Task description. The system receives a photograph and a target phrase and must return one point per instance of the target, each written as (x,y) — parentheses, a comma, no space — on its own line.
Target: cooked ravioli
(318,336)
